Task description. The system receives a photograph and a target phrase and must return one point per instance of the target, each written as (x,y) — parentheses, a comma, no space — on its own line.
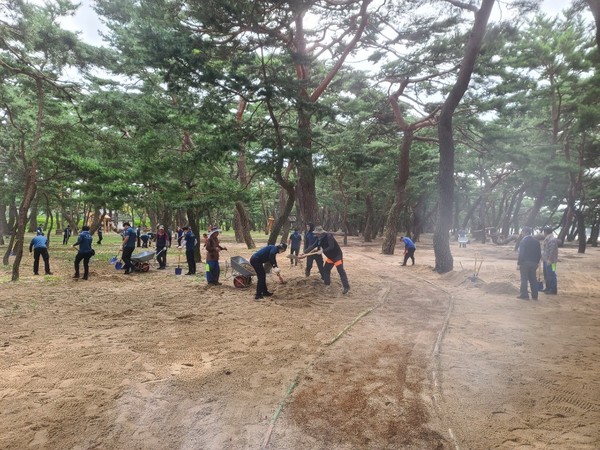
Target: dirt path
(408,359)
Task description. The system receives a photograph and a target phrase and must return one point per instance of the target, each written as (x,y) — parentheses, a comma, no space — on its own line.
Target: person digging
(333,257)
(265,255)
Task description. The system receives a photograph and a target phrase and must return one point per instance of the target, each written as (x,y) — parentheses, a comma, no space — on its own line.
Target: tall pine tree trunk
(3,223)
(241,220)
(30,167)
(391,227)
(444,261)
(242,216)
(28,196)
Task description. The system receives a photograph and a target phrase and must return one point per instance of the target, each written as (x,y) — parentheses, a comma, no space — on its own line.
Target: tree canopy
(370,117)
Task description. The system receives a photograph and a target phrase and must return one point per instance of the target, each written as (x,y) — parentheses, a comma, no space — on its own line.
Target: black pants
(528,271)
(341,271)
(191,261)
(86,263)
(295,251)
(161,257)
(127,251)
(43,252)
(261,276)
(100,238)
(410,253)
(318,259)
(66,240)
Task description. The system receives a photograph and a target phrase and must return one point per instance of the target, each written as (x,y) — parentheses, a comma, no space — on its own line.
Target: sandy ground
(408,359)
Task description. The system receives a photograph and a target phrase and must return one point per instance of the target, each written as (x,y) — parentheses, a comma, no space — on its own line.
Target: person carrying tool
(333,257)
(530,253)
(309,241)
(162,243)
(213,247)
(39,245)
(266,254)
(409,249)
(84,253)
(549,261)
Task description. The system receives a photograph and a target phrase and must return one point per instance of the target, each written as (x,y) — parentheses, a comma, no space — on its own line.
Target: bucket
(178,270)
(119,265)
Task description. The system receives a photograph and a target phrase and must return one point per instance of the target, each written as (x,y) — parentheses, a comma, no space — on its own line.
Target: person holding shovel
(266,254)
(213,247)
(84,252)
(333,257)
(309,242)
(409,250)
(162,243)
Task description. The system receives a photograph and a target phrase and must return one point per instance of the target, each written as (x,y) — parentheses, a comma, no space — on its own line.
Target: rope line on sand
(436,354)
(292,387)
(361,315)
(277,412)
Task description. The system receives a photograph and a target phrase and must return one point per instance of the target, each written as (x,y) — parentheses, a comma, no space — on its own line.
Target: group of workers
(39,247)
(317,242)
(530,253)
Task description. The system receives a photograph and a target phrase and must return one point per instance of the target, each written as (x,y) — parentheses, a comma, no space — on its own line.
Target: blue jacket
(131,242)
(408,243)
(84,241)
(190,240)
(309,237)
(295,239)
(530,250)
(38,242)
(267,254)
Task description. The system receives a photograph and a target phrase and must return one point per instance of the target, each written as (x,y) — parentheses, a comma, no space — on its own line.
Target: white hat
(319,230)
(213,231)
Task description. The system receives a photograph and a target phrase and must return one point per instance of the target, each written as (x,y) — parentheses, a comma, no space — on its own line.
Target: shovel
(281,280)
(119,265)
(540,282)
(113,260)
(178,268)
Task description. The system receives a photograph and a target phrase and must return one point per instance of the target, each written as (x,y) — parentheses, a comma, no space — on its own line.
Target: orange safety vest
(339,262)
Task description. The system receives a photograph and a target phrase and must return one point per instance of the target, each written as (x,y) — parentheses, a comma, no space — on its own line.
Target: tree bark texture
(242,214)
(444,261)
(390,234)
